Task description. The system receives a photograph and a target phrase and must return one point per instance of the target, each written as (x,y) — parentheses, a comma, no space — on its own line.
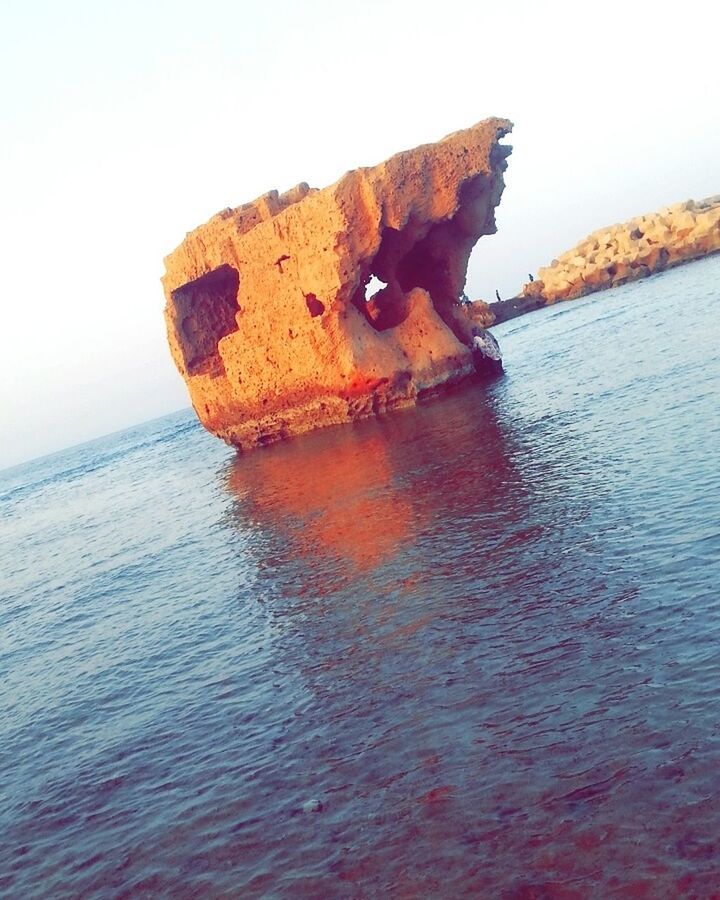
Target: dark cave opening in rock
(205,313)
(431,257)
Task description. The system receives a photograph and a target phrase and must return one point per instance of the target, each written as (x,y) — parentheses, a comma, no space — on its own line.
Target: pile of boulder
(637,248)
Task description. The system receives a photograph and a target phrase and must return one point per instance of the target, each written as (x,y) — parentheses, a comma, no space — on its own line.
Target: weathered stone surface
(266,312)
(622,253)
(486,354)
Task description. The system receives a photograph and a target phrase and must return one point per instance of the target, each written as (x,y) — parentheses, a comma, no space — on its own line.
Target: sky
(125,125)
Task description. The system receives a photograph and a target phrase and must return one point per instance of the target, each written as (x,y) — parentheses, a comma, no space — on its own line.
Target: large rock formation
(635,249)
(267,315)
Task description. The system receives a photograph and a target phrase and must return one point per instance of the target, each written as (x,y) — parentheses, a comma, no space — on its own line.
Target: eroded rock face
(621,253)
(267,315)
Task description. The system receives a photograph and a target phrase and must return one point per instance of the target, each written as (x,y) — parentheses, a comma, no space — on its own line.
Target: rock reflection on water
(330,500)
(415,569)
(346,501)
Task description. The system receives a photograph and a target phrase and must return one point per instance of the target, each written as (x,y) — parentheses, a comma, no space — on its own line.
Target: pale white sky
(124,125)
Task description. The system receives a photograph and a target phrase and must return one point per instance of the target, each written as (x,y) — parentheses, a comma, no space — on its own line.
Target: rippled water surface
(483,635)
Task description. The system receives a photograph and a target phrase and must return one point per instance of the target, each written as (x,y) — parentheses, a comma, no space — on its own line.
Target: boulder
(268,310)
(486,353)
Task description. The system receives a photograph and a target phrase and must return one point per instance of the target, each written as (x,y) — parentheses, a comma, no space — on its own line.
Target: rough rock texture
(626,252)
(267,316)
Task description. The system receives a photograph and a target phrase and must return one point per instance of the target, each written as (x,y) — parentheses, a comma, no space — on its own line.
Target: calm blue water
(483,634)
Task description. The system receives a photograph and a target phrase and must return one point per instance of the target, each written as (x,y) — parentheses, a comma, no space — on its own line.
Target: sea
(470,649)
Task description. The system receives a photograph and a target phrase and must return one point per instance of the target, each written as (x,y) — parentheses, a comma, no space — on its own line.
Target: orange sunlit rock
(267,315)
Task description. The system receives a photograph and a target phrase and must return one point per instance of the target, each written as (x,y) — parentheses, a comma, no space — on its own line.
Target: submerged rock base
(269,315)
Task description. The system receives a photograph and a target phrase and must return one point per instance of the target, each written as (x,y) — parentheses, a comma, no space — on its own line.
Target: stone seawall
(621,253)
(632,250)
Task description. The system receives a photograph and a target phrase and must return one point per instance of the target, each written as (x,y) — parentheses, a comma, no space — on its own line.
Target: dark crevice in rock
(431,257)
(315,307)
(205,311)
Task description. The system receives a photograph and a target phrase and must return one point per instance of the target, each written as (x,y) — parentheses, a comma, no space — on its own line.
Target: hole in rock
(373,286)
(315,307)
(430,256)
(406,259)
(205,311)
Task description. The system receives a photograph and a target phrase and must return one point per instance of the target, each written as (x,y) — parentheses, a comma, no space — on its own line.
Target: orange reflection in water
(331,493)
